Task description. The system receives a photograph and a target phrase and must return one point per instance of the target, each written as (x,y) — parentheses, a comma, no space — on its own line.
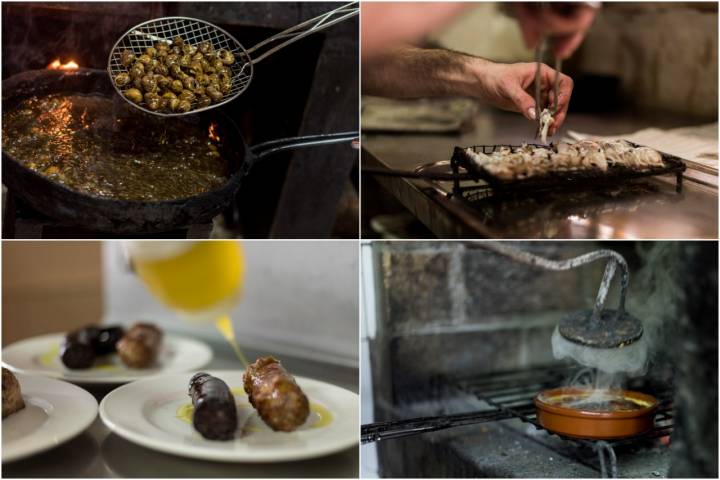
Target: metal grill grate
(513,393)
(193,32)
(559,179)
(510,395)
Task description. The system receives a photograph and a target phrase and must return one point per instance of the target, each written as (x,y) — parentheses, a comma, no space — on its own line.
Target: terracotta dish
(595,414)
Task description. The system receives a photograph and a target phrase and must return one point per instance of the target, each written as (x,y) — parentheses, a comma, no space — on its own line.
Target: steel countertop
(98,452)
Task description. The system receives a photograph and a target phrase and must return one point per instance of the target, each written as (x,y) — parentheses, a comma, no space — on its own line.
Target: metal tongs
(539,54)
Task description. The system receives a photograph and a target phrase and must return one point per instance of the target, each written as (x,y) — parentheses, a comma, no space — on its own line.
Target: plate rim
(81,380)
(56,440)
(225,456)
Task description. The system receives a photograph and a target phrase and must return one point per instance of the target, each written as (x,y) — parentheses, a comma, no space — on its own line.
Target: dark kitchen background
(440,316)
(310,87)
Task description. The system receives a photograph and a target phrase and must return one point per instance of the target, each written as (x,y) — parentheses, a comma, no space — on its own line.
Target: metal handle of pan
(302,30)
(272,147)
(614,260)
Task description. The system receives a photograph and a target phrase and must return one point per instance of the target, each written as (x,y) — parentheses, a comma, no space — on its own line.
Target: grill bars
(510,395)
(571,179)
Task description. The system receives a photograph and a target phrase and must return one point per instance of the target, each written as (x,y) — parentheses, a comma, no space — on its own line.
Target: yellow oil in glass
(204,276)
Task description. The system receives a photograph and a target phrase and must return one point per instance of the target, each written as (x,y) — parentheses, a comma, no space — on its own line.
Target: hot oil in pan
(94,146)
(598,403)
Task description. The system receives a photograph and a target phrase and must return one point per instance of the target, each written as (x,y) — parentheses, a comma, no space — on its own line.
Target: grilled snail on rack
(177,77)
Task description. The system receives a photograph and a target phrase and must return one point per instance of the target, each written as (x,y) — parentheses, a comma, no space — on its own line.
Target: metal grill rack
(510,395)
(553,180)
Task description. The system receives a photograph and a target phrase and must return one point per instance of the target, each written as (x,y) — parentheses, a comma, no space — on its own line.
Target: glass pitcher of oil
(201,280)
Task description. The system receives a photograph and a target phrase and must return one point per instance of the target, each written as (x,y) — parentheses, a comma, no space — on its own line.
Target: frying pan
(74,208)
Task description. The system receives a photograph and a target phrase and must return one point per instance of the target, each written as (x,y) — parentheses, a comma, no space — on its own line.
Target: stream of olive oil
(225,327)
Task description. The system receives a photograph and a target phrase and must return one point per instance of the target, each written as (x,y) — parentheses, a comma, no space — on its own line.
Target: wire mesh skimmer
(194,31)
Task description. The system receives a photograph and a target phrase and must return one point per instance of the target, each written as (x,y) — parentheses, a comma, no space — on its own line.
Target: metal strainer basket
(194,31)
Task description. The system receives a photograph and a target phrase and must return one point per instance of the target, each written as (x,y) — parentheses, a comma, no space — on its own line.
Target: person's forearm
(409,72)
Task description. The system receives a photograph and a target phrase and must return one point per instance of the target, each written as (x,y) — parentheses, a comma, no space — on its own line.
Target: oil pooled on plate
(52,356)
(319,416)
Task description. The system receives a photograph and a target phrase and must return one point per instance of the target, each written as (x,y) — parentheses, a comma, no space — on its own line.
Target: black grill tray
(560,179)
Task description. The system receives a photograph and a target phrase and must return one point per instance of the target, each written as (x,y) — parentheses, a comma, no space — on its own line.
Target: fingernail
(531,112)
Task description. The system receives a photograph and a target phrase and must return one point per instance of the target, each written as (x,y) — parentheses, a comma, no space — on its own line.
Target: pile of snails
(176,78)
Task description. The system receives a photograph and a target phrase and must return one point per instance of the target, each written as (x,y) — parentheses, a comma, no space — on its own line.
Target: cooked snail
(134,95)
(122,79)
(176,77)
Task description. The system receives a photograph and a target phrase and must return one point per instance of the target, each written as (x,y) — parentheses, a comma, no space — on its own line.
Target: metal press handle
(302,30)
(614,260)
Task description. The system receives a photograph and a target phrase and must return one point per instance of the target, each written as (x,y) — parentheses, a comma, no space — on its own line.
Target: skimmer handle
(272,147)
(302,30)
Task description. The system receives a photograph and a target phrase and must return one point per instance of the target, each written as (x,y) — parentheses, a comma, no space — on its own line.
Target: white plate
(146,412)
(54,413)
(40,355)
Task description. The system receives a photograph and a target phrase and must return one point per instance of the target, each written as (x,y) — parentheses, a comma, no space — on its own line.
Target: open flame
(57,65)
(212,132)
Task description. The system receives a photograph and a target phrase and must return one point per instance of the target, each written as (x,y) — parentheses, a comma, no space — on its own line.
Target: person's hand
(512,87)
(567,24)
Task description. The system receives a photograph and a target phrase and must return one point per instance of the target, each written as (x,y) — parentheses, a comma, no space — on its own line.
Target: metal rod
(375,432)
(410,174)
(614,260)
(272,147)
(539,51)
(604,449)
(556,89)
(302,30)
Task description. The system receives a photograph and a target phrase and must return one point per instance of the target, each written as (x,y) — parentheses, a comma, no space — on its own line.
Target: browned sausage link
(12,400)
(139,347)
(273,392)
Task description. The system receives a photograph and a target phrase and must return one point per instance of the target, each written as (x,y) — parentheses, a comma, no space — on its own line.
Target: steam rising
(654,298)
(630,359)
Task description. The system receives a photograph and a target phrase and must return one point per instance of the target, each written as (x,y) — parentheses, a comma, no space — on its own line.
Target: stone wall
(664,54)
(443,309)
